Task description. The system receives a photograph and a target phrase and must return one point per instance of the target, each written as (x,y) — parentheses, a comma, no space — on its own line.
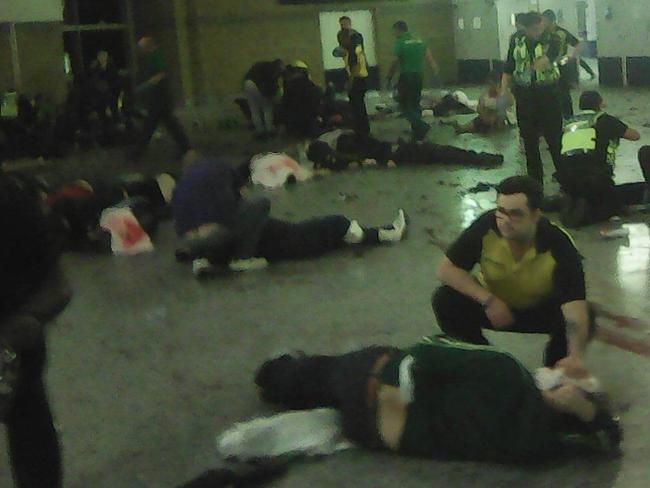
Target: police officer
(567,64)
(586,170)
(532,67)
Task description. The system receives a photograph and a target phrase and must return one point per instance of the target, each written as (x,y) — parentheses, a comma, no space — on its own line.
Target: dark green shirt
(410,51)
(155,64)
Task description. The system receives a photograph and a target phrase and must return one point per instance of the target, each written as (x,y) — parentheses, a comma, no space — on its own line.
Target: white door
(362,22)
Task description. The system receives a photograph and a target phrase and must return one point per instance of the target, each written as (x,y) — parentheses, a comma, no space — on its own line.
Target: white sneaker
(399,224)
(250,264)
(396,232)
(202,268)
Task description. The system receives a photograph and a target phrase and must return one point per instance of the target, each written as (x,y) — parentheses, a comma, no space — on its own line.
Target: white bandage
(354,235)
(549,378)
(308,433)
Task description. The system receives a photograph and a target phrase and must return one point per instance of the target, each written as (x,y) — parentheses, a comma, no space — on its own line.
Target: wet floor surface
(147,364)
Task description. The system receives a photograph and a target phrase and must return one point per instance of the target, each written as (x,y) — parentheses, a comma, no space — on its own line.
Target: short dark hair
(526,185)
(531,18)
(519,17)
(550,15)
(401,26)
(590,100)
(344,17)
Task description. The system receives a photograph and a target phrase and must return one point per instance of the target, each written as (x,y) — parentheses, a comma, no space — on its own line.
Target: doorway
(362,22)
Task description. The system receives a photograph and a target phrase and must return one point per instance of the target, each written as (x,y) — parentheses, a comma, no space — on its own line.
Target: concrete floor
(147,364)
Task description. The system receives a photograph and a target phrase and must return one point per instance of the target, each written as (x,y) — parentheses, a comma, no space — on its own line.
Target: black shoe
(420,134)
(183,255)
(574,212)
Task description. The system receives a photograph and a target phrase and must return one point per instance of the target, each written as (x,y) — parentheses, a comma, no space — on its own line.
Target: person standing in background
(351,50)
(157,95)
(566,64)
(411,53)
(262,85)
(532,67)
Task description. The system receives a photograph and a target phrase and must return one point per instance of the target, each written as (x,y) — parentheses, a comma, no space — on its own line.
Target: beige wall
(40,48)
(228,36)
(6,67)
(474,43)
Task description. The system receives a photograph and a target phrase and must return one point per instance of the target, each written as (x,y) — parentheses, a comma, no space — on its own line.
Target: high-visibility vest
(523,74)
(580,136)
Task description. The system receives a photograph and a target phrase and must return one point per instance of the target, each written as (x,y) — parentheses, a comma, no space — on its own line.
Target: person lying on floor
(492,109)
(439,103)
(588,159)
(218,227)
(439,399)
(338,150)
(79,205)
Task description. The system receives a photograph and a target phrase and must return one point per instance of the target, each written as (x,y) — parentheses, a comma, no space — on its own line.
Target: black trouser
(164,112)
(539,113)
(582,177)
(339,382)
(246,231)
(461,317)
(430,153)
(282,241)
(409,89)
(565,84)
(357,96)
(33,442)
(587,68)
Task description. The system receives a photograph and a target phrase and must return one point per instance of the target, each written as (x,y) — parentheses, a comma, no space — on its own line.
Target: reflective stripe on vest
(580,136)
(523,74)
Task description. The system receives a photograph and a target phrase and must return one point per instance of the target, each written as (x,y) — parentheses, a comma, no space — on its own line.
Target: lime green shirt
(410,50)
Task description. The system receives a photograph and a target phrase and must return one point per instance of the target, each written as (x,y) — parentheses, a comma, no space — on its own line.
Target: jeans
(261,108)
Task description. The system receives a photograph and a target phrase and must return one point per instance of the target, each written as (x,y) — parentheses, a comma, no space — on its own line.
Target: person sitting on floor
(586,170)
(492,109)
(218,227)
(439,399)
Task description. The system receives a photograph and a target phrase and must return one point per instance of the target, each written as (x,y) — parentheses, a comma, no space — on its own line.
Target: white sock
(354,235)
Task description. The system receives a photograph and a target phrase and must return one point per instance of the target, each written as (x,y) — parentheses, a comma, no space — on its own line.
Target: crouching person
(219,227)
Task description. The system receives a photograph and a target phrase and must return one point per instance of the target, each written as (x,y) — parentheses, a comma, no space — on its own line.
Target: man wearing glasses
(529,278)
